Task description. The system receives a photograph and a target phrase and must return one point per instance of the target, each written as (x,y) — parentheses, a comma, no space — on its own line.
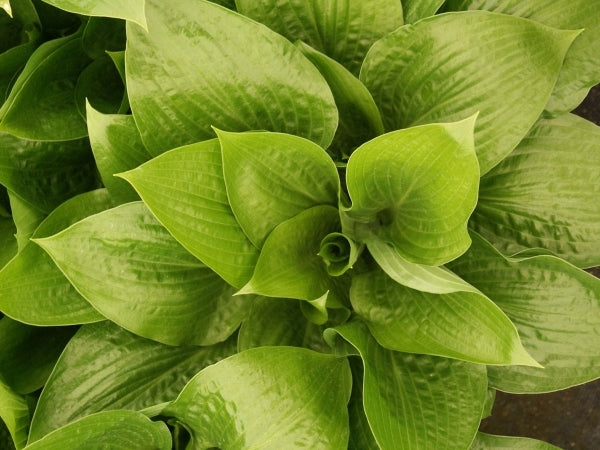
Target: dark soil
(569,419)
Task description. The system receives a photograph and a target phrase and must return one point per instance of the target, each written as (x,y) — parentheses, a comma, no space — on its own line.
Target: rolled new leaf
(339,253)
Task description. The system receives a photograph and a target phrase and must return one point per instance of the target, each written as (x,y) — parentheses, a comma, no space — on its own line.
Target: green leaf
(485,441)
(272,177)
(185,190)
(461,325)
(117,147)
(11,64)
(359,120)
(32,289)
(555,307)
(101,86)
(8,243)
(102,35)
(415,10)
(207,77)
(132,10)
(444,79)
(45,174)
(289,264)
(29,353)
(14,411)
(126,264)
(45,90)
(580,70)
(268,397)
(119,430)
(105,367)
(342,30)
(361,435)
(432,279)
(545,194)
(339,253)
(415,189)
(27,218)
(9,32)
(417,401)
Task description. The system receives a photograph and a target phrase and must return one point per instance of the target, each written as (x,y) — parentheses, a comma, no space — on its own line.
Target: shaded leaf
(130,10)
(101,35)
(12,62)
(127,265)
(105,367)
(272,177)
(545,193)
(422,74)
(361,435)
(99,85)
(342,30)
(415,189)
(268,397)
(14,411)
(185,190)
(555,307)
(8,243)
(185,82)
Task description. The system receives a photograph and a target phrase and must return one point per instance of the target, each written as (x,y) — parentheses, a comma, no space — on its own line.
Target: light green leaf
(8,243)
(580,70)
(100,85)
(126,264)
(342,30)
(228,72)
(289,265)
(129,10)
(432,279)
(119,430)
(29,353)
(117,147)
(32,289)
(185,190)
(339,253)
(27,218)
(443,79)
(545,194)
(14,411)
(417,401)
(268,398)
(105,367)
(45,90)
(555,307)
(415,189)
(415,10)
(461,325)
(485,441)
(359,120)
(272,177)
(45,174)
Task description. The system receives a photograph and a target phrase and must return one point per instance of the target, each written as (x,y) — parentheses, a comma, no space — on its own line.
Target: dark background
(569,419)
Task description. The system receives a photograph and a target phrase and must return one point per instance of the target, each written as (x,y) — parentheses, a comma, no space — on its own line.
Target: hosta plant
(293,224)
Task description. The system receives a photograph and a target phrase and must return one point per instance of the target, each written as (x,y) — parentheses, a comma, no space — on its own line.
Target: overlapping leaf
(342,30)
(201,65)
(185,190)
(105,367)
(555,307)
(100,85)
(268,397)
(8,243)
(130,10)
(422,74)
(14,411)
(484,441)
(415,10)
(545,194)
(415,189)
(126,264)
(580,70)
(26,217)
(417,401)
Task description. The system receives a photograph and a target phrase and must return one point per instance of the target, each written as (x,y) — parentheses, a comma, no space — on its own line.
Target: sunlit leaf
(484,441)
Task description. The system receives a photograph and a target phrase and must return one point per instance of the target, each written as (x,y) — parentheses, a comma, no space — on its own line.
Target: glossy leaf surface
(119,430)
(443,79)
(268,398)
(193,70)
(555,307)
(105,367)
(417,401)
(185,190)
(126,264)
(342,30)
(545,193)
(32,289)
(580,70)
(484,441)
(461,325)
(129,10)
(415,189)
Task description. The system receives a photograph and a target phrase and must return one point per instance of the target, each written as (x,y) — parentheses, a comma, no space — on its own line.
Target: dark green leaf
(423,73)
(105,367)
(11,63)
(268,397)
(8,243)
(101,86)
(14,411)
(195,69)
(103,34)
(127,265)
